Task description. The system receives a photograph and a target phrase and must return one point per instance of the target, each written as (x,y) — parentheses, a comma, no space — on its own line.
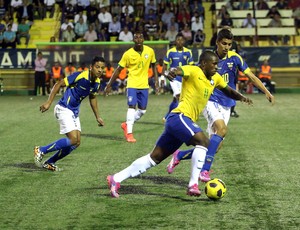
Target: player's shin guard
(185,154)
(198,159)
(214,143)
(60,154)
(137,167)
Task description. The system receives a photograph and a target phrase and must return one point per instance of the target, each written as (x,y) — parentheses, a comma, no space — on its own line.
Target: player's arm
(44,107)
(94,106)
(153,65)
(112,79)
(173,72)
(230,92)
(255,80)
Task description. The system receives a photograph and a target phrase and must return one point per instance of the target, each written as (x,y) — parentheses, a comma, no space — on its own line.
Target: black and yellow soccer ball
(215,189)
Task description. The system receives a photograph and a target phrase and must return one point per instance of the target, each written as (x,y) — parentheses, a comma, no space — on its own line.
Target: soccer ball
(215,189)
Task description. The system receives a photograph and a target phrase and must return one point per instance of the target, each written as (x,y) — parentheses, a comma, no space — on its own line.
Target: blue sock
(57,145)
(212,148)
(185,155)
(60,154)
(172,106)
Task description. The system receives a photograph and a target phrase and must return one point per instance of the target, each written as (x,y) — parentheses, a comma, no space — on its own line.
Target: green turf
(259,163)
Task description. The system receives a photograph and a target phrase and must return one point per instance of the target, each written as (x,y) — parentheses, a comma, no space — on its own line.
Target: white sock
(130,119)
(138,114)
(137,167)
(198,159)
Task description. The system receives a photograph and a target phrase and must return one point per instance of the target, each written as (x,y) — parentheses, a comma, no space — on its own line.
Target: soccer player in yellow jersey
(137,60)
(198,82)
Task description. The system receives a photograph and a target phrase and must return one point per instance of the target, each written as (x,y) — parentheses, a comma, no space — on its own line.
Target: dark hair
(224,33)
(97,59)
(207,55)
(179,35)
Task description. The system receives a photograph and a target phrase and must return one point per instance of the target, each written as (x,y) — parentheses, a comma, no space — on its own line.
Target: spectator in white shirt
(125,35)
(65,25)
(104,17)
(129,7)
(90,35)
(80,15)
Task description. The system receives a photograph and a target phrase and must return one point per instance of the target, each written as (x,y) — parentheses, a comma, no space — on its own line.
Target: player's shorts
(214,111)
(137,97)
(176,87)
(179,129)
(66,119)
(161,80)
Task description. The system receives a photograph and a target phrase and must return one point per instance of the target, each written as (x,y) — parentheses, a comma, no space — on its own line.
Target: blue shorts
(179,129)
(137,97)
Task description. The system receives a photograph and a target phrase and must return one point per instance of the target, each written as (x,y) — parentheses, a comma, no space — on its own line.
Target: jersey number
(226,77)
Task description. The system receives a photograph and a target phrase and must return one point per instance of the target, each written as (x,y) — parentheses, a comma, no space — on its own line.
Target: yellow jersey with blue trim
(196,90)
(79,86)
(137,64)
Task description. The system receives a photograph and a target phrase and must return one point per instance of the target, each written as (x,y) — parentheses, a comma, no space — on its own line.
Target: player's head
(224,42)
(97,67)
(138,39)
(179,41)
(208,62)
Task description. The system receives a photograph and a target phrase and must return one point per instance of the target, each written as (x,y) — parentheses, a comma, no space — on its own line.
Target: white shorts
(214,111)
(66,119)
(162,79)
(176,87)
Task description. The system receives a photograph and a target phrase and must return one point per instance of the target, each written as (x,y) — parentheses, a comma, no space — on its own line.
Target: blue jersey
(228,68)
(79,86)
(175,58)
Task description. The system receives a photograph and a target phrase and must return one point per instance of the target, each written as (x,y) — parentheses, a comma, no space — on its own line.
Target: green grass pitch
(259,162)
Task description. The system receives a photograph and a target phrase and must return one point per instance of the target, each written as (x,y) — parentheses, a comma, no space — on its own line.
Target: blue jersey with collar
(228,68)
(79,86)
(175,58)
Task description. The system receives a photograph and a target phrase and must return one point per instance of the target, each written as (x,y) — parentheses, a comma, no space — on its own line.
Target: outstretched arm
(236,95)
(94,106)
(261,86)
(44,107)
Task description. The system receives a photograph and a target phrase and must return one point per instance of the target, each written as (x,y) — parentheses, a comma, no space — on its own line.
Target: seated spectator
(265,76)
(282,5)
(276,22)
(104,17)
(196,6)
(65,25)
(171,35)
(128,21)
(150,6)
(183,14)
(139,10)
(197,24)
(199,38)
(92,16)
(127,8)
(242,82)
(116,9)
(80,15)
(82,67)
(83,5)
(38,6)
(25,11)
(243,5)
(80,28)
(69,69)
(249,22)
(226,21)
(222,12)
(49,7)
(262,5)
(69,35)
(90,35)
(70,11)
(52,39)
(173,23)
(161,30)
(167,16)
(151,29)
(187,34)
(141,29)
(56,74)
(23,31)
(14,5)
(114,27)
(3,9)
(272,12)
(151,15)
(108,74)
(103,35)
(125,35)
(122,81)
(9,38)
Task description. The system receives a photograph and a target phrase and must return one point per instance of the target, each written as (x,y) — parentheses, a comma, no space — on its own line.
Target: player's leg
(142,102)
(128,125)
(176,88)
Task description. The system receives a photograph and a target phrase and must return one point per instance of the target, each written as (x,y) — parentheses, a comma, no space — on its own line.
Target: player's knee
(222,131)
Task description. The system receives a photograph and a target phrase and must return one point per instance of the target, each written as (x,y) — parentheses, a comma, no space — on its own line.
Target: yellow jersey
(196,90)
(137,65)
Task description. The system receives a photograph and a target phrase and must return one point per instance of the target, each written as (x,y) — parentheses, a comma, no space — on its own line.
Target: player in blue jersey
(79,86)
(177,56)
(197,85)
(217,110)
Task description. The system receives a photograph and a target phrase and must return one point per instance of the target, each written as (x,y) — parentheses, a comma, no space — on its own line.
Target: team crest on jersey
(230,65)
(146,56)
(130,98)
(212,82)
(185,57)
(195,125)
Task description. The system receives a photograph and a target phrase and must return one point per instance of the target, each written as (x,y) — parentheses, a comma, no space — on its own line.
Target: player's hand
(270,98)
(170,74)
(247,101)
(100,122)
(44,107)
(107,90)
